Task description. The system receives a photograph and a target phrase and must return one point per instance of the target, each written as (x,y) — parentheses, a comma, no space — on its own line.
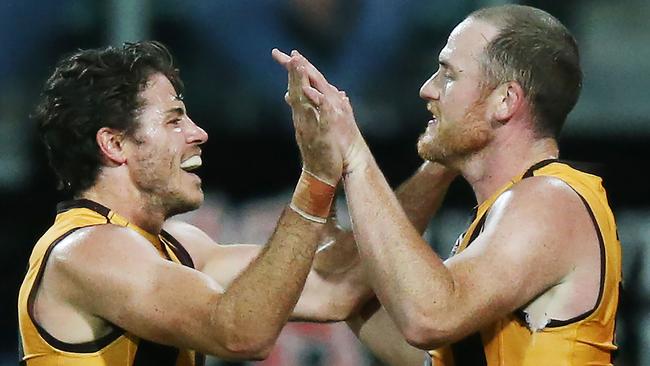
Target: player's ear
(111,144)
(509,98)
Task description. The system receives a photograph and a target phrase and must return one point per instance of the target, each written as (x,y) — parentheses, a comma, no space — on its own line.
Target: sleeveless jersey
(119,347)
(587,339)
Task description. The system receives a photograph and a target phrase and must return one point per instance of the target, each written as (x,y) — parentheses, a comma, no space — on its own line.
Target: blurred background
(380,52)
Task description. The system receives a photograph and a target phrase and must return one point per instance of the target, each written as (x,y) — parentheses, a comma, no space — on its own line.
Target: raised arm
(434,303)
(420,196)
(431,302)
(337,289)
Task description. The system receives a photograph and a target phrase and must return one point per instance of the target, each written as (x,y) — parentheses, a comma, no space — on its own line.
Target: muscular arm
(420,197)
(118,276)
(337,286)
(325,297)
(513,260)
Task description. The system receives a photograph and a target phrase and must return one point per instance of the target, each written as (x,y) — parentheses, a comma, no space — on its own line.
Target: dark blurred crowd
(378,51)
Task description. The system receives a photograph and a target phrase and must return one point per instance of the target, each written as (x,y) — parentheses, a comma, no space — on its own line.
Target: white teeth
(191,163)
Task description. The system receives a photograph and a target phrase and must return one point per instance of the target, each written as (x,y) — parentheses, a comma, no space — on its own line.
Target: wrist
(312,198)
(356,158)
(321,172)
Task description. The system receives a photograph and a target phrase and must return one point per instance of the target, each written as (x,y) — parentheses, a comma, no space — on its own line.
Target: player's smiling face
(165,150)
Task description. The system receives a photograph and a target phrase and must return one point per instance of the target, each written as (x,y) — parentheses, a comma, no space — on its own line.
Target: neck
(500,162)
(129,203)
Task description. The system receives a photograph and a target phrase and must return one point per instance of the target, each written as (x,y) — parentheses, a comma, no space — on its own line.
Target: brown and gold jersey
(587,339)
(119,347)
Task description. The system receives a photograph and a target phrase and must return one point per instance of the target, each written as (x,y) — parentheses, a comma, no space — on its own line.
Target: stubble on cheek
(472,136)
(154,168)
(459,138)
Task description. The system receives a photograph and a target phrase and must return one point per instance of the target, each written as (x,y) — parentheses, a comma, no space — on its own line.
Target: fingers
(281,57)
(312,94)
(295,77)
(296,96)
(345,101)
(297,80)
(316,78)
(305,81)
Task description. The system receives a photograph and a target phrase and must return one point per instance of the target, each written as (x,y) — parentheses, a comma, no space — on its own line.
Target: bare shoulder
(545,218)
(546,200)
(540,234)
(93,256)
(100,244)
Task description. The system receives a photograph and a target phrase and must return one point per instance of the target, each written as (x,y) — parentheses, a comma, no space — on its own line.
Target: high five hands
(328,137)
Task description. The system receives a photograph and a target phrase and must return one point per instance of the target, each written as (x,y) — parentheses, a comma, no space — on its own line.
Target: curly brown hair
(91,89)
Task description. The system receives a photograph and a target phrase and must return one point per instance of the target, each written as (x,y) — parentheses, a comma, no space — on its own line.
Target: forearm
(332,298)
(422,194)
(258,303)
(342,288)
(420,197)
(405,274)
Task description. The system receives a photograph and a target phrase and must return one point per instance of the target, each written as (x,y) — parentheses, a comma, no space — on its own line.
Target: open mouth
(434,113)
(192,163)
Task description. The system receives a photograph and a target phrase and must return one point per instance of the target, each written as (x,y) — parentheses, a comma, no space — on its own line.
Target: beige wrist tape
(312,198)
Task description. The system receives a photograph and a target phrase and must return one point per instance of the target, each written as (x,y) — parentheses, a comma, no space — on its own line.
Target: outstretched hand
(310,91)
(320,156)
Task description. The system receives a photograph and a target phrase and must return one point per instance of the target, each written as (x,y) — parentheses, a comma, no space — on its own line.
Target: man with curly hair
(112,282)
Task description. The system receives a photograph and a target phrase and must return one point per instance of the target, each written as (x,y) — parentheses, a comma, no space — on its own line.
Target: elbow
(423,331)
(237,337)
(242,349)
(240,342)
(425,338)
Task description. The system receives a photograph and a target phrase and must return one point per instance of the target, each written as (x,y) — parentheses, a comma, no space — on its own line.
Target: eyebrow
(445,63)
(176,110)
